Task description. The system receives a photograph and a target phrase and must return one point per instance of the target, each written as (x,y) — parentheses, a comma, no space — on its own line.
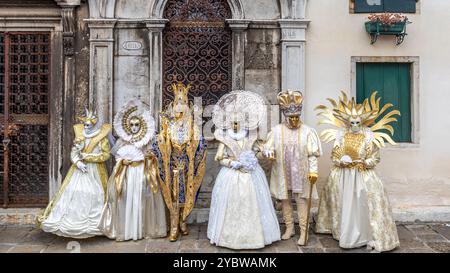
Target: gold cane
(312,179)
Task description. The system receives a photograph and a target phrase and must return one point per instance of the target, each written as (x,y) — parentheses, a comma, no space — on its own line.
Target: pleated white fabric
(137,213)
(78,211)
(355,222)
(242,215)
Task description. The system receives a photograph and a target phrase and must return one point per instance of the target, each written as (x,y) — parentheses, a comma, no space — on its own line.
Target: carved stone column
(101,69)
(155,28)
(69,82)
(293,32)
(239,29)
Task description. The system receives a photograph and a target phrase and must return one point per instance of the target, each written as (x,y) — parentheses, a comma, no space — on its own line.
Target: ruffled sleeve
(314,150)
(222,156)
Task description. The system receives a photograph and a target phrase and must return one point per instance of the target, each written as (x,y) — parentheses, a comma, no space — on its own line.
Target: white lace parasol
(135,108)
(249,108)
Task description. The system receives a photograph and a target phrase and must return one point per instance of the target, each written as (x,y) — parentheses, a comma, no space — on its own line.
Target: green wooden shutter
(393,83)
(374,6)
(402,6)
(368,6)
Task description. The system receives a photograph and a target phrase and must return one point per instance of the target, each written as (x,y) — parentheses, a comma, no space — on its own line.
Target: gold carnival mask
(180,102)
(134,125)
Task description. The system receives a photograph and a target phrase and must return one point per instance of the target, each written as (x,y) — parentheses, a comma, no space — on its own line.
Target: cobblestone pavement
(416,237)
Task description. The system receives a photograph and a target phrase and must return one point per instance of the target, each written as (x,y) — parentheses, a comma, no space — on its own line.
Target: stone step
(27,216)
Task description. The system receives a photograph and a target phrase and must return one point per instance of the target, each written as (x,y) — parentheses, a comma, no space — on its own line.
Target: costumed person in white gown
(134,207)
(242,215)
(354,206)
(295,148)
(76,208)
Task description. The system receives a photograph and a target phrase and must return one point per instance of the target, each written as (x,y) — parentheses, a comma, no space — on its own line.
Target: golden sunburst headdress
(369,112)
(291,102)
(89,115)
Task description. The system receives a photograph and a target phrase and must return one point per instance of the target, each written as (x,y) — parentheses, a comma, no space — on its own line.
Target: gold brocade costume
(354,205)
(75,209)
(98,159)
(181,153)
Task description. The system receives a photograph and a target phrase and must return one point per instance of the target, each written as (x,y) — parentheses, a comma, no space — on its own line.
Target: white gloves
(81,166)
(235,165)
(345,159)
(268,153)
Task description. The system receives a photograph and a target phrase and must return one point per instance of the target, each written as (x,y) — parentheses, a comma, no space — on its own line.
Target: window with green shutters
(393,83)
(376,6)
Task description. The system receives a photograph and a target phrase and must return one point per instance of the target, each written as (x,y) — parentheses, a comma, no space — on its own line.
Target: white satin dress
(138,212)
(77,212)
(242,215)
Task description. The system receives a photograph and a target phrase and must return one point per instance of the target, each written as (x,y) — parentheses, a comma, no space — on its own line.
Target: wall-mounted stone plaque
(132,45)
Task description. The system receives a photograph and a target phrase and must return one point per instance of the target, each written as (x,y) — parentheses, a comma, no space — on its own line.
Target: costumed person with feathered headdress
(134,207)
(181,152)
(76,208)
(294,148)
(354,206)
(242,215)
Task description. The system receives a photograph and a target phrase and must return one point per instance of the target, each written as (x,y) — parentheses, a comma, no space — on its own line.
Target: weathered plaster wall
(416,176)
(262,62)
(131,67)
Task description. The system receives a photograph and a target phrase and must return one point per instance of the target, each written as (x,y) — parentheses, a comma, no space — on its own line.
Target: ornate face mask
(135,125)
(180,102)
(355,124)
(90,119)
(293,121)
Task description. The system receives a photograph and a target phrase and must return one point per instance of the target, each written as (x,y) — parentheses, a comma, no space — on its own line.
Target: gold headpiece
(180,92)
(90,115)
(291,102)
(368,111)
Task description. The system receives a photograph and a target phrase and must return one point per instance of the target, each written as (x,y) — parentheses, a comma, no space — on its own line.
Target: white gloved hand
(81,166)
(346,159)
(235,165)
(268,153)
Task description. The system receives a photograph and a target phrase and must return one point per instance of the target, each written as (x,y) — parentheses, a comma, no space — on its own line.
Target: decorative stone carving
(68,23)
(102,8)
(293,9)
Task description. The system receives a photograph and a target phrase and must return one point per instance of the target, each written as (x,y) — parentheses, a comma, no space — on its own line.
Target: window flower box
(387,24)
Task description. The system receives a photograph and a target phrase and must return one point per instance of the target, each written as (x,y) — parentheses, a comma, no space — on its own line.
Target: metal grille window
(197,49)
(24,118)
(375,6)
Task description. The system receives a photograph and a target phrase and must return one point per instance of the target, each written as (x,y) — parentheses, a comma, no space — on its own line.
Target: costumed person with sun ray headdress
(134,207)
(76,208)
(354,206)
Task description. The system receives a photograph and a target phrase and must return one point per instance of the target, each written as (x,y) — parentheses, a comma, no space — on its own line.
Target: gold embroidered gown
(76,208)
(354,206)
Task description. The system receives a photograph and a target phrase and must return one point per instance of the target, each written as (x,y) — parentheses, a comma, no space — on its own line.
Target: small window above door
(377,6)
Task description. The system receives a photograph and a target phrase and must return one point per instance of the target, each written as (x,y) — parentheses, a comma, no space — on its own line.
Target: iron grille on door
(197,48)
(24,118)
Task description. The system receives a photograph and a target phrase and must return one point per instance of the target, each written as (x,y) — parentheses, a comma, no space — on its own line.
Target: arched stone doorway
(197,49)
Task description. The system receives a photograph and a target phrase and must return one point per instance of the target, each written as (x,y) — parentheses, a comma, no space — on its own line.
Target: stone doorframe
(56,123)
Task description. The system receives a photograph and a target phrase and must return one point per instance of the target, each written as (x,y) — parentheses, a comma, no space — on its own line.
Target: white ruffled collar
(91,135)
(237,136)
